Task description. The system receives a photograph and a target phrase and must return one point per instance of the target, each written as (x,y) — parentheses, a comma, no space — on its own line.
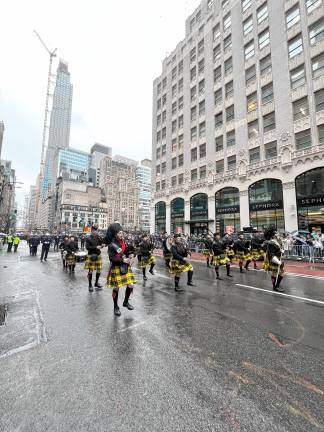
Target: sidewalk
(293,267)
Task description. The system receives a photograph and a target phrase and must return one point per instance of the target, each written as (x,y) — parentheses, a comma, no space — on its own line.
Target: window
(193,114)
(231,163)
(319,100)
(264,39)
(227,22)
(164,117)
(158,136)
(220,166)
(201,47)
(163,167)
(159,88)
(180,103)
(180,67)
(180,85)
(246,4)
(194,175)
(217,53)
(194,154)
(217,74)
(174,108)
(202,108)
(202,151)
(219,120)
(180,160)
(249,50)
(267,94)
(201,88)
(193,73)
(230,113)
(316,31)
(216,32)
(312,5)
(174,74)
(180,141)
(192,23)
(218,96)
(158,120)
(297,77)
(225,3)
(198,16)
(252,102)
(229,89)
(174,145)
(320,130)
(163,184)
(202,130)
(292,16)
(164,99)
(180,122)
(164,83)
(157,187)
(269,122)
(180,179)
(193,93)
(158,153)
(163,133)
(253,129)
(158,169)
(174,181)
(300,108)
(159,104)
(193,55)
(250,75)
(193,133)
(210,4)
(303,139)
(230,139)
(201,66)
(202,172)
(174,126)
(262,13)
(228,66)
(254,155)
(228,43)
(295,46)
(318,65)
(219,143)
(271,150)
(265,65)
(248,26)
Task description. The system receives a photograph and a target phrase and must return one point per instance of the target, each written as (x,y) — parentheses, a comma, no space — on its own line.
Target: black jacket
(208,244)
(71,247)
(240,246)
(91,244)
(273,249)
(115,254)
(218,247)
(179,252)
(146,248)
(46,241)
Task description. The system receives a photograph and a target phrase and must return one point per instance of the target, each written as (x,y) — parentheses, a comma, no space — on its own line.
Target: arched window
(160,217)
(227,210)
(199,214)
(177,215)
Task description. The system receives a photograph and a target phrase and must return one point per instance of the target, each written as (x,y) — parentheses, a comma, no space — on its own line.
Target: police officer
(9,242)
(46,241)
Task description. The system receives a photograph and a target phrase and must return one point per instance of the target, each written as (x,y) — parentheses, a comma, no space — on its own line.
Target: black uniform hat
(177,235)
(112,230)
(269,233)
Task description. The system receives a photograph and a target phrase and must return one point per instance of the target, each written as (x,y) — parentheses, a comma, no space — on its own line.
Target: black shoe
(178,289)
(275,289)
(128,306)
(281,290)
(229,275)
(98,287)
(241,270)
(90,288)
(191,284)
(145,278)
(152,272)
(218,278)
(117,311)
(247,268)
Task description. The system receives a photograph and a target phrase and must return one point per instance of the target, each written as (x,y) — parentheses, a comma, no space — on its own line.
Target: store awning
(198,221)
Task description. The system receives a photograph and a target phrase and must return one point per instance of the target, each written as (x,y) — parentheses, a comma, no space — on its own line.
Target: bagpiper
(208,251)
(120,272)
(147,259)
(71,250)
(219,255)
(242,252)
(179,263)
(63,249)
(93,262)
(273,258)
(166,252)
(228,243)
(256,249)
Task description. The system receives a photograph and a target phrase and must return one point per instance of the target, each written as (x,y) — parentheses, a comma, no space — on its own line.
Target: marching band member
(63,247)
(256,252)
(229,246)
(120,272)
(94,260)
(71,249)
(166,253)
(219,255)
(146,249)
(273,258)
(242,252)
(208,251)
(179,264)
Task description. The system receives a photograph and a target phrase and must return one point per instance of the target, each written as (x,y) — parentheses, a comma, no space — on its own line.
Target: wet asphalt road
(218,357)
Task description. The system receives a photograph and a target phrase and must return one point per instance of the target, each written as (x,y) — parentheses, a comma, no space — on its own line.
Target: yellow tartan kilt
(271,267)
(220,260)
(230,254)
(240,255)
(70,260)
(91,264)
(207,253)
(117,280)
(149,261)
(178,267)
(256,254)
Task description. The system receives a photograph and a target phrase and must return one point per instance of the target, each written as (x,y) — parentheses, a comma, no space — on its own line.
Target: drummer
(71,250)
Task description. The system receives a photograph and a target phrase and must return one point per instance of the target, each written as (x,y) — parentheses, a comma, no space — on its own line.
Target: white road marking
(132,326)
(282,294)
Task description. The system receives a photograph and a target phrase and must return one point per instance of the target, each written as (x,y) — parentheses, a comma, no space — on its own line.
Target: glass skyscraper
(73,164)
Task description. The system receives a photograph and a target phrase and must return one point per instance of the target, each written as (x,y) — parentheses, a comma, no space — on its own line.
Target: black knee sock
(228,267)
(90,279)
(144,271)
(152,267)
(97,278)
(127,294)
(73,267)
(115,297)
(279,280)
(207,261)
(190,274)
(247,264)
(273,278)
(217,271)
(176,281)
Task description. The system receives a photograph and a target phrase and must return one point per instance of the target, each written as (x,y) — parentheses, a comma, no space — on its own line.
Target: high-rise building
(118,180)
(72,164)
(31,219)
(59,129)
(238,119)
(144,182)
(1,135)
(98,152)
(7,196)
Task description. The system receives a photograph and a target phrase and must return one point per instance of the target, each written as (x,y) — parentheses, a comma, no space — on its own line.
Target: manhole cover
(3,314)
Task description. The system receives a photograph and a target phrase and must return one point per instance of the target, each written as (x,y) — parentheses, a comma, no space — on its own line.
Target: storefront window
(160,217)
(266,204)
(310,199)
(227,210)
(199,214)
(177,215)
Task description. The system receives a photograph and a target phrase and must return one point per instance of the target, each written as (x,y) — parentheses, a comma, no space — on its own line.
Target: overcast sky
(114,50)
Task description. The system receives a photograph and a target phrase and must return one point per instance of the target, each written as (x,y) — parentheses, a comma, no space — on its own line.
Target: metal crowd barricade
(304,253)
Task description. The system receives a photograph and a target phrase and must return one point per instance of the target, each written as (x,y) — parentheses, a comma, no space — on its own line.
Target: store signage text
(273,205)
